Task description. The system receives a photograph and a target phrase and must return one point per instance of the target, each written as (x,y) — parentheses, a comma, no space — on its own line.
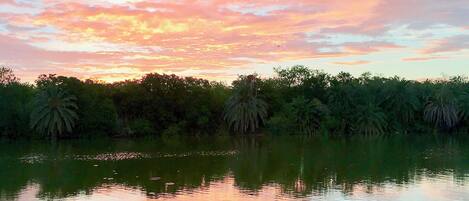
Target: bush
(15,109)
(280,124)
(141,127)
(171,135)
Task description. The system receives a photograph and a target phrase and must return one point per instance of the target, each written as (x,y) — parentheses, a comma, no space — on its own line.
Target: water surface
(236,168)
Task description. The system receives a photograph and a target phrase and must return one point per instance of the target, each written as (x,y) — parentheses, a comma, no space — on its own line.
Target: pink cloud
(7,2)
(424,58)
(366,47)
(31,60)
(191,38)
(351,63)
(213,34)
(414,14)
(451,44)
(17,50)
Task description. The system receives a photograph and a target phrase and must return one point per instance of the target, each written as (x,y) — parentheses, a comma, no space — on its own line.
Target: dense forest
(297,100)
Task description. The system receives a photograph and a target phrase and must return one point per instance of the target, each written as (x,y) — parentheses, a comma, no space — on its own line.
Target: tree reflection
(299,166)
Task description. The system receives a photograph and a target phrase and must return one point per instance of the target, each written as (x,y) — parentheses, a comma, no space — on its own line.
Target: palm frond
(54,112)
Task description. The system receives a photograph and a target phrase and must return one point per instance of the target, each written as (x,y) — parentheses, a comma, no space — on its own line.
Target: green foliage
(370,120)
(299,116)
(343,99)
(165,100)
(302,81)
(367,104)
(297,100)
(463,105)
(141,127)
(400,102)
(15,109)
(280,124)
(174,130)
(14,104)
(54,112)
(97,113)
(307,114)
(441,108)
(172,134)
(244,110)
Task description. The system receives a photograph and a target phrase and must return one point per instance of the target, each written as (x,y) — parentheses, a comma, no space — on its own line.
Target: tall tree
(245,110)
(442,108)
(307,114)
(370,120)
(54,112)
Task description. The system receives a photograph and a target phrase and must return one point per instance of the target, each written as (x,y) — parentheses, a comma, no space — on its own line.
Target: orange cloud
(186,35)
(189,36)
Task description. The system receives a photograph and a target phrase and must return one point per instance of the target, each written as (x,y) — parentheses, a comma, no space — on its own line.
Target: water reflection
(280,168)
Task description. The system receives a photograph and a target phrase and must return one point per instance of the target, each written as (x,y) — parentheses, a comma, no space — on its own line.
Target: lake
(237,168)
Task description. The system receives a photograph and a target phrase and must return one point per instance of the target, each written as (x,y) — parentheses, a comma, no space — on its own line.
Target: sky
(112,40)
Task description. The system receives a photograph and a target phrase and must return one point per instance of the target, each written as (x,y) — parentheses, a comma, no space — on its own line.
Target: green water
(235,168)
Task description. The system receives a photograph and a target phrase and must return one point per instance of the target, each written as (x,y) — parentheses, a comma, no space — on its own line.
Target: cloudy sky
(219,39)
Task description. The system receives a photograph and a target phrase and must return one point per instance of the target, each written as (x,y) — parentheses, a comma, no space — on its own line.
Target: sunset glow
(114,40)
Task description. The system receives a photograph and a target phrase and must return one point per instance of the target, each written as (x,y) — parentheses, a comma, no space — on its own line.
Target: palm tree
(400,102)
(463,103)
(308,114)
(442,109)
(54,112)
(244,110)
(370,120)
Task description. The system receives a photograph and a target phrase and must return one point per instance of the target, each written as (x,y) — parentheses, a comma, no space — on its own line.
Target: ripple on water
(111,156)
(118,156)
(33,158)
(200,153)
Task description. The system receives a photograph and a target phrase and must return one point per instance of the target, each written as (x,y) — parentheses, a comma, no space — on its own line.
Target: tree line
(296,100)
